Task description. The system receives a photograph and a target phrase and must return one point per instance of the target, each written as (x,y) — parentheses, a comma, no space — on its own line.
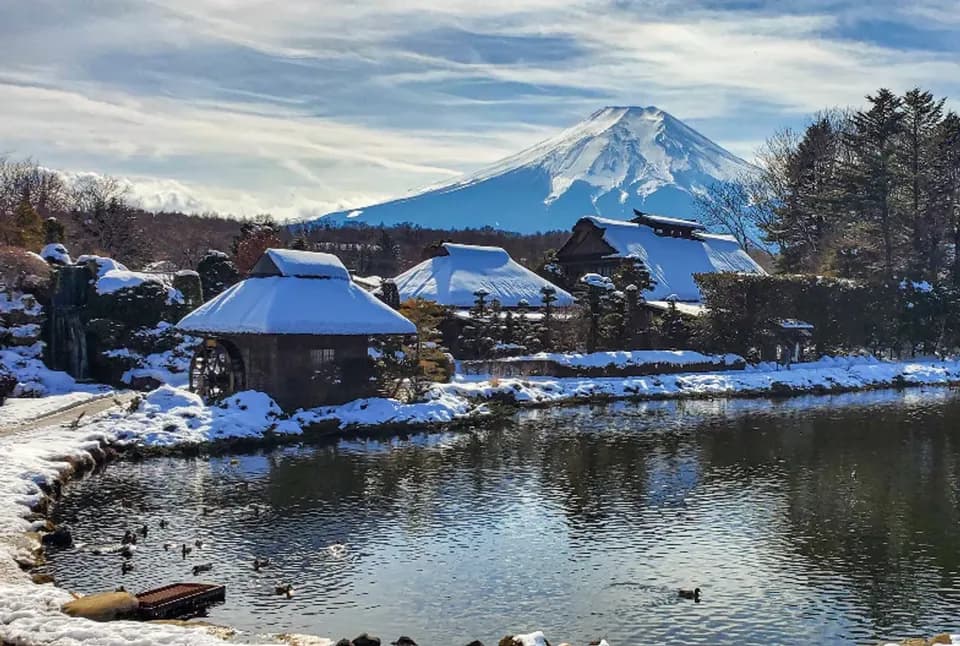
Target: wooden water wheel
(216,370)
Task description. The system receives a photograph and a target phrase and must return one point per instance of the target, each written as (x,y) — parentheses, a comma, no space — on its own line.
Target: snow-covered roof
(452,278)
(668,222)
(672,262)
(296,305)
(304,264)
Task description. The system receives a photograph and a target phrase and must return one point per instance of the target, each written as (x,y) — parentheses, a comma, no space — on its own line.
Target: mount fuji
(618,159)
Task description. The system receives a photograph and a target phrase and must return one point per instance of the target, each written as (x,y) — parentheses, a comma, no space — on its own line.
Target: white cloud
(342,106)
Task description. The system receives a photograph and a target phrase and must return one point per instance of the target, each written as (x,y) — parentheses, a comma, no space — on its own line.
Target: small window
(322,356)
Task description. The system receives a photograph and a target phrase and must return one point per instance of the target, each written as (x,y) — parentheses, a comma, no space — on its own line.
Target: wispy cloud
(251,106)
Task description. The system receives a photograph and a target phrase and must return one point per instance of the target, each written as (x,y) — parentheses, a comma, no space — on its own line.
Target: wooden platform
(179,600)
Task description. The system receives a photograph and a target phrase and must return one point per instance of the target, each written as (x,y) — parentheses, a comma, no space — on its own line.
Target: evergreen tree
(870,181)
(916,164)
(804,189)
(548,296)
(945,190)
(28,227)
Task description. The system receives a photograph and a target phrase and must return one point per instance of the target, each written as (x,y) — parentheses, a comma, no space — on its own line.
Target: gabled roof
(303,264)
(672,262)
(307,294)
(452,277)
(653,219)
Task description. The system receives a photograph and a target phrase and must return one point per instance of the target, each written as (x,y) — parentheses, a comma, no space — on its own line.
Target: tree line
(870,194)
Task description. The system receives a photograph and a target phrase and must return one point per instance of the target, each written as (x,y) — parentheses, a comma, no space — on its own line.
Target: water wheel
(216,370)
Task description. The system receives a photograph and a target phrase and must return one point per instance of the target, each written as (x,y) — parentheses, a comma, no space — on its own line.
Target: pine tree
(548,296)
(916,162)
(28,227)
(870,180)
(946,189)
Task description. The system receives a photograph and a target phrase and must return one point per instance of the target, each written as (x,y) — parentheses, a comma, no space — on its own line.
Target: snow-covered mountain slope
(618,159)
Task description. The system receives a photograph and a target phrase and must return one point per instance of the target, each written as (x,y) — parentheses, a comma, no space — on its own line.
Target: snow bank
(766,379)
(34,379)
(626,358)
(18,302)
(439,408)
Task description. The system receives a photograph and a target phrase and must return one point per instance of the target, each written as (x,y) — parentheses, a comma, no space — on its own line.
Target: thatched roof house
(457,272)
(298,329)
(672,249)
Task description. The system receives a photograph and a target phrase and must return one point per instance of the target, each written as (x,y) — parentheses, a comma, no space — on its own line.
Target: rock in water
(104,606)
(59,537)
(366,640)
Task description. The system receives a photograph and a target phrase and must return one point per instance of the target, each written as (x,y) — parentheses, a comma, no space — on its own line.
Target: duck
(260,563)
(127,551)
(143,531)
(167,546)
(184,550)
(203,567)
(689,594)
(198,543)
(403,640)
(284,588)
(126,567)
(129,538)
(163,523)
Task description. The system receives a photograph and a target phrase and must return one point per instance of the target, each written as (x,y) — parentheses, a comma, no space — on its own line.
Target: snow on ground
(20,409)
(839,374)
(438,408)
(629,358)
(34,379)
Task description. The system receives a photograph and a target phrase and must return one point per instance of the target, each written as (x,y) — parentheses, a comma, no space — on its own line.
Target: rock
(366,640)
(221,632)
(59,537)
(403,640)
(145,383)
(189,285)
(296,639)
(344,642)
(942,638)
(41,579)
(105,606)
(475,642)
(509,641)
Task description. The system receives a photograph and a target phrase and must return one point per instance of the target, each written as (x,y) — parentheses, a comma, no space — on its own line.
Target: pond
(810,520)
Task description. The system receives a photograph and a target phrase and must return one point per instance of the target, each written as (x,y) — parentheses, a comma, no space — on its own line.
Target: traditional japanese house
(297,328)
(672,249)
(456,273)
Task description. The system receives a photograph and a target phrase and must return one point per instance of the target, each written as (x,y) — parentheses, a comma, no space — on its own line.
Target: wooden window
(322,355)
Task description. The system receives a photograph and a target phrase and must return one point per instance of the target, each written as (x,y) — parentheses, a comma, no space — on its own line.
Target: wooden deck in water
(179,600)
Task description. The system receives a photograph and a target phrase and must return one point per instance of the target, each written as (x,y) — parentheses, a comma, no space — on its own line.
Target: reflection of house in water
(297,328)
(673,250)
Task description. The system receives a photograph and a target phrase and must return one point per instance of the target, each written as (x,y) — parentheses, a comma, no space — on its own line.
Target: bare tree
(100,208)
(733,205)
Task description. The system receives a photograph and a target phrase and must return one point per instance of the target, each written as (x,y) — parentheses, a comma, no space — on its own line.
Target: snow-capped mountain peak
(619,158)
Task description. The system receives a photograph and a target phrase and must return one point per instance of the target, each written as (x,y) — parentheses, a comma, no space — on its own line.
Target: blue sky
(247,106)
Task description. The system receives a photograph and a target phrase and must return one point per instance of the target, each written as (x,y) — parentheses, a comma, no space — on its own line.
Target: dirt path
(69,414)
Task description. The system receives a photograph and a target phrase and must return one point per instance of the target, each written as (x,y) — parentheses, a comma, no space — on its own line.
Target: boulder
(188,283)
(104,606)
(366,640)
(59,537)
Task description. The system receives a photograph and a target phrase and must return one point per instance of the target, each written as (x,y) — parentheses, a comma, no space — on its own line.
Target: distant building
(457,272)
(297,329)
(672,249)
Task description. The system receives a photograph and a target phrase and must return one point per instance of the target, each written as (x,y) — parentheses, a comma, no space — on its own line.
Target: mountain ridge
(619,158)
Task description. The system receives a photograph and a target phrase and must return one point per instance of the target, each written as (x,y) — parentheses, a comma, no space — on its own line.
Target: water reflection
(803,520)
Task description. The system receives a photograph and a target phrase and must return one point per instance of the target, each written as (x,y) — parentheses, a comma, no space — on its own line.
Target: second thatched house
(456,273)
(297,329)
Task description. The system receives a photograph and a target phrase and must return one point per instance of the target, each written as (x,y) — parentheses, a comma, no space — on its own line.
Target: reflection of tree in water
(870,498)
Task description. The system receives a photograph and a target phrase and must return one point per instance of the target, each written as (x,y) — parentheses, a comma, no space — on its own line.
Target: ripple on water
(831,522)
